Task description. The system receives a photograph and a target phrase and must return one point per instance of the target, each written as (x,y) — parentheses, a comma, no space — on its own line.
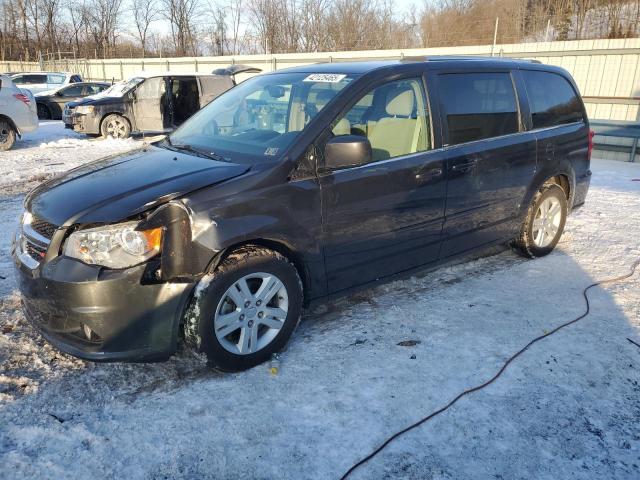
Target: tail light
(590,147)
(23,98)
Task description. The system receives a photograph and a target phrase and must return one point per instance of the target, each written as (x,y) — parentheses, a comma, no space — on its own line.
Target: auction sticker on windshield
(324,77)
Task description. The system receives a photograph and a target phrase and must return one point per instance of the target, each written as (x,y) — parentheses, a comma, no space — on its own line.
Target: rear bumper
(581,189)
(130,320)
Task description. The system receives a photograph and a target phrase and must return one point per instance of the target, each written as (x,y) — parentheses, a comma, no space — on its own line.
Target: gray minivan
(146,103)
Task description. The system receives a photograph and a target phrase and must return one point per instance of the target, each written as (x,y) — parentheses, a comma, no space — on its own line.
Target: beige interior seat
(397,133)
(343,127)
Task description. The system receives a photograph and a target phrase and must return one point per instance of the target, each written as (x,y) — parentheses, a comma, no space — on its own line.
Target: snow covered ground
(568,408)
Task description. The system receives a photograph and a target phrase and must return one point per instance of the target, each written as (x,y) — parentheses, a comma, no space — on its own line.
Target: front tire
(544,223)
(245,310)
(115,126)
(7,136)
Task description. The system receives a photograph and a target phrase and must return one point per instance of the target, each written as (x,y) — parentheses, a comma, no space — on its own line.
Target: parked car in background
(146,103)
(40,81)
(296,185)
(17,112)
(51,103)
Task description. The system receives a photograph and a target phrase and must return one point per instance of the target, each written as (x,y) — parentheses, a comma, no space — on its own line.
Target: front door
(490,158)
(149,98)
(385,216)
(72,93)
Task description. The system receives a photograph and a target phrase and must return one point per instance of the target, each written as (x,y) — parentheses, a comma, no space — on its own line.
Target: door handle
(466,166)
(428,175)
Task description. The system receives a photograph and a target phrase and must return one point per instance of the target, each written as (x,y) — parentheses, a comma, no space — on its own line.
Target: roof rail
(443,58)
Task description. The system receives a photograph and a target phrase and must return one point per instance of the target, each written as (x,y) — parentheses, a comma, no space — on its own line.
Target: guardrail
(618,129)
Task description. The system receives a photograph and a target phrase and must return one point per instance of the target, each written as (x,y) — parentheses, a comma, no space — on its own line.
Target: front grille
(36,252)
(44,228)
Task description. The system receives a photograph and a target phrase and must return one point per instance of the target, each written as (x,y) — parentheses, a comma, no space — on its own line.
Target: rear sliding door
(490,158)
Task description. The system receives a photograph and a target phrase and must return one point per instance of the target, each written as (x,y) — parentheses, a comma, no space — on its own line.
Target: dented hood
(114,188)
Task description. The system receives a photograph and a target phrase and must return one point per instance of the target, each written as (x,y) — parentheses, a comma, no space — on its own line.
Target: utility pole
(495,36)
(546,35)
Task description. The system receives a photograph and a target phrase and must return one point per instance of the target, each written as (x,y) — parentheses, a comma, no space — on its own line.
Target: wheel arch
(563,176)
(11,124)
(277,246)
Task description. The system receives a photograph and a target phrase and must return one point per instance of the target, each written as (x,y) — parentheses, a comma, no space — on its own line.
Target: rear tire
(7,136)
(115,126)
(43,112)
(246,310)
(544,223)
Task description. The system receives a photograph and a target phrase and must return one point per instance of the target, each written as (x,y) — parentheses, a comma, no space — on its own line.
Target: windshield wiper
(191,149)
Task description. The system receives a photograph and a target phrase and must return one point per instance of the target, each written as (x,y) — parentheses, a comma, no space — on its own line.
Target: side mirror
(346,151)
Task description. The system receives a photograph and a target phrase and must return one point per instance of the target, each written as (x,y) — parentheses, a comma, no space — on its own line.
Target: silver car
(18,112)
(43,81)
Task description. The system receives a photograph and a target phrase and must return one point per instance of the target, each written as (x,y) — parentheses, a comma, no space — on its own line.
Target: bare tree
(145,12)
(78,16)
(235,14)
(103,23)
(181,15)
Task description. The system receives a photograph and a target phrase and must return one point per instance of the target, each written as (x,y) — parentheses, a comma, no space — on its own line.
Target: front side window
(476,106)
(553,100)
(261,116)
(393,117)
(150,89)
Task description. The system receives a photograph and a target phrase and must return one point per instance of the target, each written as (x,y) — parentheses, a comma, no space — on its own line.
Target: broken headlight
(85,109)
(114,246)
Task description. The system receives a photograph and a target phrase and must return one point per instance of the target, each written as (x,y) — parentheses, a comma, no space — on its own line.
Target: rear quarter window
(553,100)
(32,79)
(476,106)
(55,79)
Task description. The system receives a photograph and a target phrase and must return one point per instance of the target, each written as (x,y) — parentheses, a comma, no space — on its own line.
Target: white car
(43,81)
(18,113)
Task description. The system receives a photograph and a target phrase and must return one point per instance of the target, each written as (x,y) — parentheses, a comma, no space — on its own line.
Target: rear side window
(476,106)
(55,79)
(93,89)
(553,100)
(74,91)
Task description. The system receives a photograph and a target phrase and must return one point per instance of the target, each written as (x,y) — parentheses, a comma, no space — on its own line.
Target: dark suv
(293,186)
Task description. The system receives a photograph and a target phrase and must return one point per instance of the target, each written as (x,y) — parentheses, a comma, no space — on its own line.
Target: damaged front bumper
(100,314)
(81,123)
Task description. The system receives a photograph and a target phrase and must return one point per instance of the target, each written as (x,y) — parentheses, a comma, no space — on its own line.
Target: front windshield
(120,88)
(262,116)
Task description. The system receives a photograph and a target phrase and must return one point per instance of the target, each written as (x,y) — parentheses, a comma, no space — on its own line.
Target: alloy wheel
(251,313)
(547,222)
(116,129)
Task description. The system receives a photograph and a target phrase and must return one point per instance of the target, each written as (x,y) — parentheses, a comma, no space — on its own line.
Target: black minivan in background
(293,186)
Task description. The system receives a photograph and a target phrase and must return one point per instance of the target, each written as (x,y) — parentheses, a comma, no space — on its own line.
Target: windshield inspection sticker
(324,77)
(271,151)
